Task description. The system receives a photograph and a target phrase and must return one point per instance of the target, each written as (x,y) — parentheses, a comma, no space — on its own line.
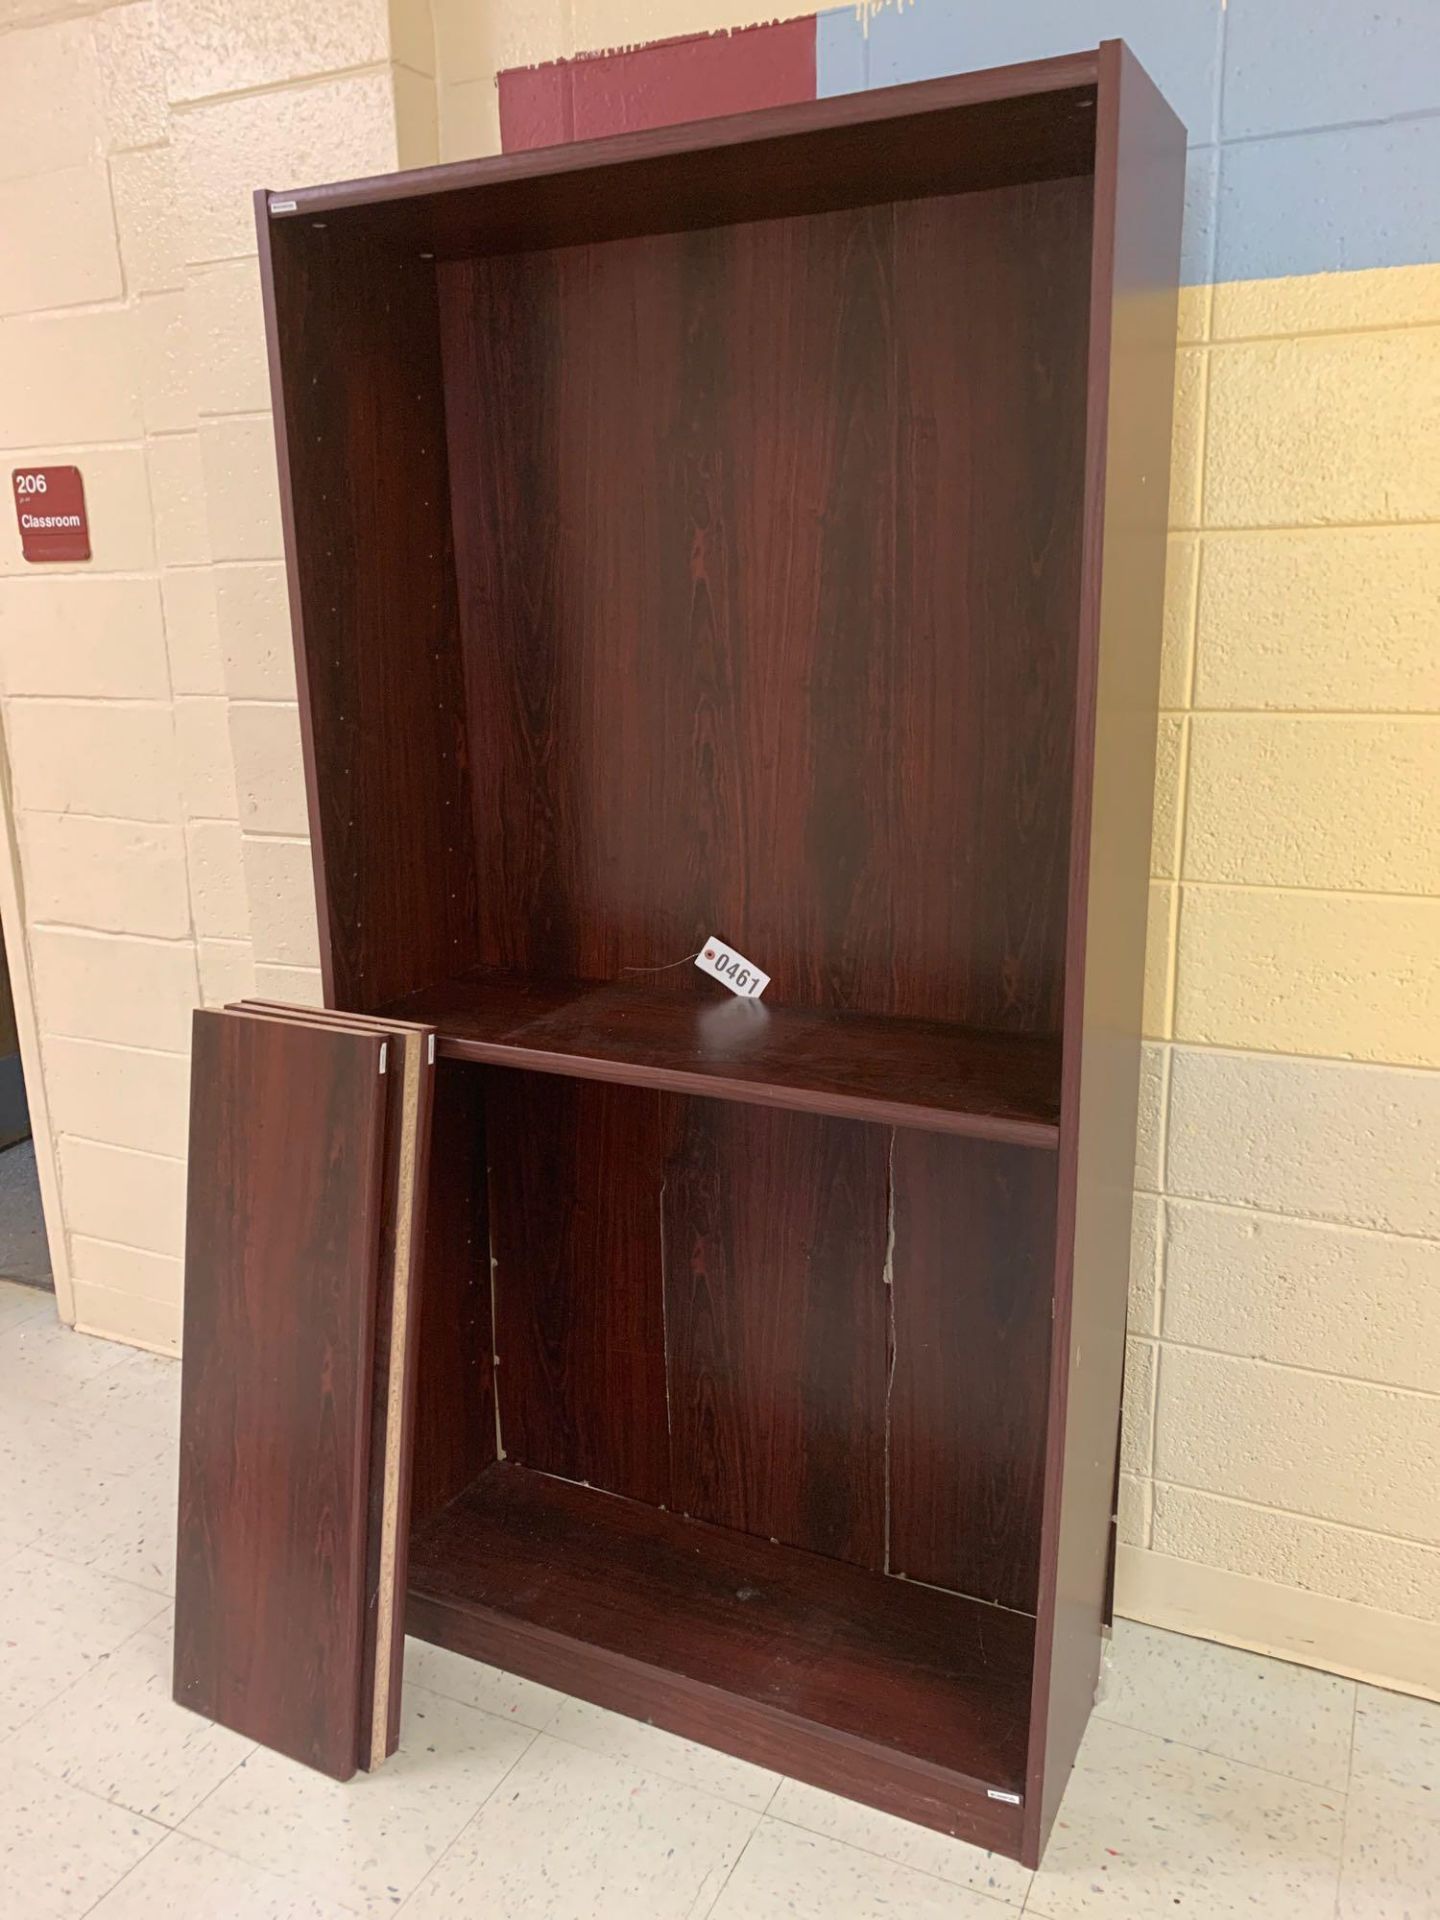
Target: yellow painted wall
(1282,1453)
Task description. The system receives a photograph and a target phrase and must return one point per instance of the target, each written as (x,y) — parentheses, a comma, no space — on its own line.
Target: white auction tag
(732,970)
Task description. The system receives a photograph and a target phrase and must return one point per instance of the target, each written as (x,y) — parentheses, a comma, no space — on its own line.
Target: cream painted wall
(159,855)
(1283,1404)
(148,697)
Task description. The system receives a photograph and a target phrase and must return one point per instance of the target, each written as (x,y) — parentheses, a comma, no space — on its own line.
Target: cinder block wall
(148,697)
(1282,1442)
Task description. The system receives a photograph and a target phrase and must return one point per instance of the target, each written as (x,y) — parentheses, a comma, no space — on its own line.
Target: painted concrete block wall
(1285,1389)
(148,697)
(1283,1399)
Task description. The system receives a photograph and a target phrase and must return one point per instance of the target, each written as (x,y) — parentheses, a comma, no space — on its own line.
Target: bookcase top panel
(965,132)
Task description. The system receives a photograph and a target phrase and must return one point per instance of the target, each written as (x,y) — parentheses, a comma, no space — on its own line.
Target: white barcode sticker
(732,969)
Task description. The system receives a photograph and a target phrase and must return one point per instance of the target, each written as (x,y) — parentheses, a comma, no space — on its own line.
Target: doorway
(24,1251)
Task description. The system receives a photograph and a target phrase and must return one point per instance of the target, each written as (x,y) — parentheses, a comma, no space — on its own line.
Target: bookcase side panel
(1140,166)
(360,436)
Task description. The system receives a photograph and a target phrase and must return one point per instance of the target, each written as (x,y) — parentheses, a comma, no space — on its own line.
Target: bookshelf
(751,529)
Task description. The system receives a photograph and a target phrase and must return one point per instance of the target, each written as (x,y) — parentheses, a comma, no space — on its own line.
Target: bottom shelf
(901,1695)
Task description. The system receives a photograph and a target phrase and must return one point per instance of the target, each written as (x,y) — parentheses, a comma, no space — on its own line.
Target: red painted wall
(692,79)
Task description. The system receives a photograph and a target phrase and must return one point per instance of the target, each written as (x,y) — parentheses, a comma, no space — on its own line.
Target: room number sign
(50,507)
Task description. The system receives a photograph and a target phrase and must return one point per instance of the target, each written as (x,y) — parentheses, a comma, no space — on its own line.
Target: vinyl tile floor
(1212,1783)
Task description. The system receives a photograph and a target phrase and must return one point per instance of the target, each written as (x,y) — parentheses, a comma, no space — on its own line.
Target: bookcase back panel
(575,1175)
(816,1331)
(777,1324)
(767,549)
(974,1262)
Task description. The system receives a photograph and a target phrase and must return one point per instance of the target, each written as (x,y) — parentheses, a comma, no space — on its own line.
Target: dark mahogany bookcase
(756,528)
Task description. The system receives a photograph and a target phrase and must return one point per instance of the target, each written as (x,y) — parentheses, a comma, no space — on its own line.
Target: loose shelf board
(309,1135)
(754,526)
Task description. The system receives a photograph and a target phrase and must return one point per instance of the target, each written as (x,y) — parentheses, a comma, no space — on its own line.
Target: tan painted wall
(148,697)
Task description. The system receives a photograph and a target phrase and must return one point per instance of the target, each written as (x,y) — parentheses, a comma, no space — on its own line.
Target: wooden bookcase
(753,528)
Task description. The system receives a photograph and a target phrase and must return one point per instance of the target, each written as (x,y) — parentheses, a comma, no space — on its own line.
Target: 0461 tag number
(740,977)
(732,970)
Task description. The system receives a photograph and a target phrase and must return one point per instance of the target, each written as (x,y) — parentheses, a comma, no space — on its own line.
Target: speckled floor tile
(52,1464)
(117,1733)
(143,1390)
(1391,1867)
(1242,1706)
(56,1622)
(491,1689)
(13,1539)
(1397,1739)
(787,1874)
(367,1843)
(901,1841)
(1151,1830)
(60,1850)
(186,1880)
(573,1836)
(686,1762)
(42,1360)
(124,1525)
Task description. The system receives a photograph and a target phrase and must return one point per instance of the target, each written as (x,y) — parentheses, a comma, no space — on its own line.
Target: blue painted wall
(1314,124)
